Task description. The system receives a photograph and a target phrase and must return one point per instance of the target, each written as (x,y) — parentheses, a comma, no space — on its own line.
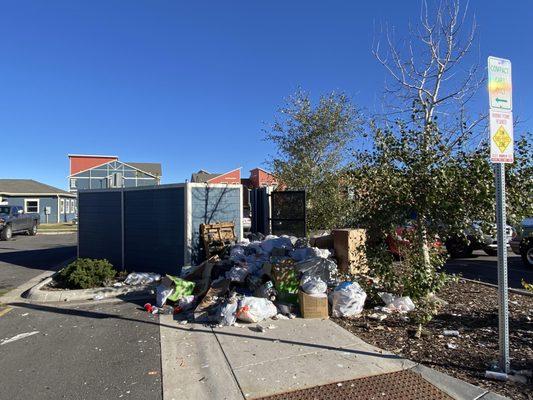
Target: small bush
(87,273)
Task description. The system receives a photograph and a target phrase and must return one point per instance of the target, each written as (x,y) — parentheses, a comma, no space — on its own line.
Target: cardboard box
(313,306)
(349,246)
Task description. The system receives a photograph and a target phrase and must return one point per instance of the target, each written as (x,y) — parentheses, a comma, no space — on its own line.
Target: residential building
(103,172)
(232,177)
(54,205)
(260,178)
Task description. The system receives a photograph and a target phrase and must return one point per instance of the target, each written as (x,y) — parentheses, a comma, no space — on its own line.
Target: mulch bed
(472,309)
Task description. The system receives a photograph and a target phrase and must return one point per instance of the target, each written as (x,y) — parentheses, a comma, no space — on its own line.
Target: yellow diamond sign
(502,138)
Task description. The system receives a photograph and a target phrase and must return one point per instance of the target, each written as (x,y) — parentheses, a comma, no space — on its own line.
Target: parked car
(522,244)
(13,219)
(399,240)
(480,236)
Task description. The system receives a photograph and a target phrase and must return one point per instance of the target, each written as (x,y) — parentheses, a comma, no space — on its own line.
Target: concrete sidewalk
(230,363)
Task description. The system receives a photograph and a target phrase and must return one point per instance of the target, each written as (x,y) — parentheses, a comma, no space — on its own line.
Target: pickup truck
(13,219)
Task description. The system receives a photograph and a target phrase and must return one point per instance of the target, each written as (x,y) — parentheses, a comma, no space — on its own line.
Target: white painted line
(18,337)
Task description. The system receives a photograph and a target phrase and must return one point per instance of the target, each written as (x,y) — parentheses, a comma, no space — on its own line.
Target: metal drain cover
(402,385)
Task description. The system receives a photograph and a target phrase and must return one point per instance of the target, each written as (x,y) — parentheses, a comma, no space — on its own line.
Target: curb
(37,295)
(56,232)
(16,294)
(512,290)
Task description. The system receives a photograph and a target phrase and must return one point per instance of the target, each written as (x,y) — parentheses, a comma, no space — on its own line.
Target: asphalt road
(25,257)
(97,350)
(485,268)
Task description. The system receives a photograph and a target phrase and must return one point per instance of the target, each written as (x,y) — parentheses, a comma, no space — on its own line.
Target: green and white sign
(500,84)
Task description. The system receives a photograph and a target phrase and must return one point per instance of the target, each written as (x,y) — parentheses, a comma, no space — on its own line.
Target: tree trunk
(425,243)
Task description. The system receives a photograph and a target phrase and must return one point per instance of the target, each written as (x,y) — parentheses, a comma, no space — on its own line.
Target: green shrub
(87,273)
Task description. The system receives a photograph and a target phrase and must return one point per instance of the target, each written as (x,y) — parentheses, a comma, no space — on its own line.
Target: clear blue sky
(191,84)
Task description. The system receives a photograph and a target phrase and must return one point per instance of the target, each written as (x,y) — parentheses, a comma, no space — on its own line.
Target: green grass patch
(58,227)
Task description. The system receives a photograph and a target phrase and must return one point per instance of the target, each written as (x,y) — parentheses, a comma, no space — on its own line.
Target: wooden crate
(215,237)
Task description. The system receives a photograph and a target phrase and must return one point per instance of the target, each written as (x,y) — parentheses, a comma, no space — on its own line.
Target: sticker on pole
(501,137)
(500,84)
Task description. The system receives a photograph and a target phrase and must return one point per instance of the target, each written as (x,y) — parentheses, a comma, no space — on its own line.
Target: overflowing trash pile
(251,281)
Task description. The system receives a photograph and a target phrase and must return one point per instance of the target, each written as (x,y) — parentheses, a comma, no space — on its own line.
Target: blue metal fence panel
(212,204)
(100,226)
(154,230)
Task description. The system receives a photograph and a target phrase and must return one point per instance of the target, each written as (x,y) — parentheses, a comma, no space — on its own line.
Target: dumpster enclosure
(154,228)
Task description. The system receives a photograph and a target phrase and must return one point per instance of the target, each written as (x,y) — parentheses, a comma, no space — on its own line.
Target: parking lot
(96,350)
(485,268)
(25,257)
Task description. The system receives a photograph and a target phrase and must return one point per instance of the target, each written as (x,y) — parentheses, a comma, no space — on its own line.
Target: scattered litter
(499,376)
(258,328)
(451,333)
(451,346)
(98,296)
(396,303)
(24,315)
(517,378)
(377,317)
(255,309)
(18,337)
(141,278)
(118,284)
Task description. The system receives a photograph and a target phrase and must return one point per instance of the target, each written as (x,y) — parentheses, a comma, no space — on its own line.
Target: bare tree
(428,70)
(432,84)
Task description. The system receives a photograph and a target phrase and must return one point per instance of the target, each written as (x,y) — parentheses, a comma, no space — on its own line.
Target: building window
(72,208)
(73,183)
(62,206)
(115,181)
(31,205)
(68,206)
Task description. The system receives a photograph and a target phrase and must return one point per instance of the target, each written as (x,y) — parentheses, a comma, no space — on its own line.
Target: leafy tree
(428,165)
(312,142)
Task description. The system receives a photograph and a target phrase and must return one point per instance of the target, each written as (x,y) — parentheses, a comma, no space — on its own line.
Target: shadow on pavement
(206,329)
(44,259)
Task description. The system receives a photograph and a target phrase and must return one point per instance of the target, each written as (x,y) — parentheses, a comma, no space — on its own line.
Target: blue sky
(192,84)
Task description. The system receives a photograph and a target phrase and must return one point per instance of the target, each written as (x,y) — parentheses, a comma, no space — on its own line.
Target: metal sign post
(501,152)
(503,297)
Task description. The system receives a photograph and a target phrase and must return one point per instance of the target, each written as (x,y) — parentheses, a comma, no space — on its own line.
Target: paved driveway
(485,268)
(25,257)
(97,350)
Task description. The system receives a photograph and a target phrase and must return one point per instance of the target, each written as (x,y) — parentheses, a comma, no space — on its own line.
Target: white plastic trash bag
(302,254)
(141,278)
(228,313)
(313,285)
(272,241)
(348,300)
(162,293)
(397,303)
(323,268)
(255,309)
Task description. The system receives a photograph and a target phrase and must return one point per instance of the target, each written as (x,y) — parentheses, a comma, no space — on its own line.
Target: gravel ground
(472,309)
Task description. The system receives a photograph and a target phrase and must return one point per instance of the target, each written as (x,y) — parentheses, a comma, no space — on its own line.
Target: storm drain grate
(402,385)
